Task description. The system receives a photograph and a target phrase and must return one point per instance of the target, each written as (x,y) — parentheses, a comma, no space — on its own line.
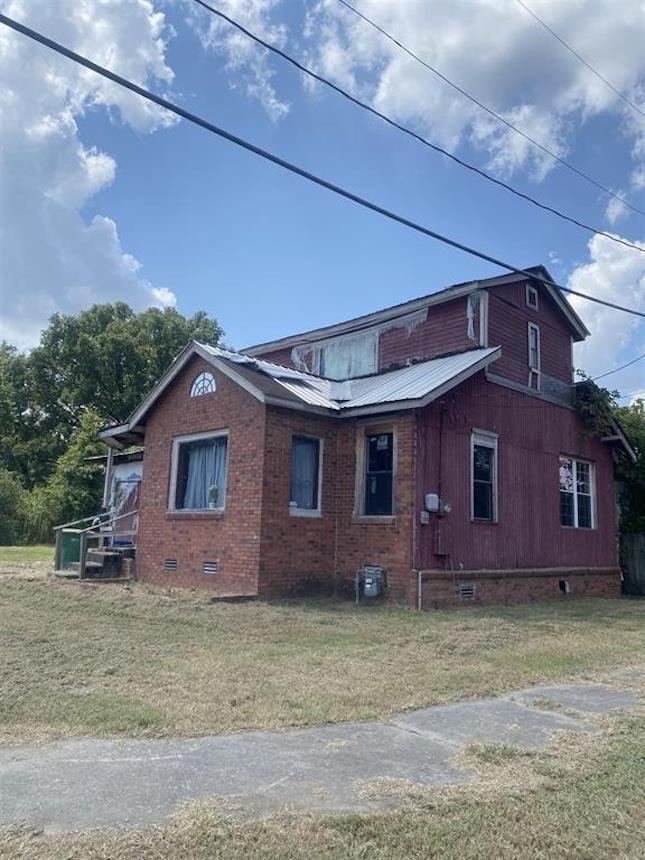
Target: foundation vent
(170,564)
(210,567)
(466,592)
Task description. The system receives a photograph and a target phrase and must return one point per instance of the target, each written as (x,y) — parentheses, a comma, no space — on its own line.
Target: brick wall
(297,552)
(230,538)
(363,540)
(441,588)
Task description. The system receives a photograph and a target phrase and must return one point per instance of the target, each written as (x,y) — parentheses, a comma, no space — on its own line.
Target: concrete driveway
(94,783)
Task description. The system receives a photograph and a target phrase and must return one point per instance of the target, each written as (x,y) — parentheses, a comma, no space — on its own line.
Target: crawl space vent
(210,567)
(170,564)
(466,592)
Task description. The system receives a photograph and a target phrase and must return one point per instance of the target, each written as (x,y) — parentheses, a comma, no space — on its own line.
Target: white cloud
(616,274)
(498,53)
(247,63)
(51,258)
(616,209)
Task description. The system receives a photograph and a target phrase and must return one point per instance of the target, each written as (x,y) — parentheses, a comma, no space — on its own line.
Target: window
(203,383)
(484,476)
(305,476)
(379,474)
(531,297)
(347,357)
(199,467)
(534,347)
(576,493)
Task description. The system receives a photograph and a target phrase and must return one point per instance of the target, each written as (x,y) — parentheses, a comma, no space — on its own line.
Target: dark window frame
(487,441)
(372,475)
(316,510)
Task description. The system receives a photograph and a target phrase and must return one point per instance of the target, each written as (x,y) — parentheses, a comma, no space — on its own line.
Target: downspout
(415,495)
(336,515)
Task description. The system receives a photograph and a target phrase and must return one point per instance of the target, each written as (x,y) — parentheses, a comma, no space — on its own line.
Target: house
(437,439)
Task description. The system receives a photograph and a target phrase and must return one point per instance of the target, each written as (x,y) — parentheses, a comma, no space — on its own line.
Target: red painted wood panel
(508,318)
(532,435)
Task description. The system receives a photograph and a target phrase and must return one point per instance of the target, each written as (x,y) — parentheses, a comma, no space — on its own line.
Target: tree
(632,475)
(104,359)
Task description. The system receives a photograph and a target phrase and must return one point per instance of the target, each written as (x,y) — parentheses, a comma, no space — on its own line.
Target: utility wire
(292,168)
(622,367)
(491,112)
(258,40)
(582,59)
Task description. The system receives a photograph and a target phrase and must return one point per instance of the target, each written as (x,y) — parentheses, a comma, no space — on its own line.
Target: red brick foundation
(444,588)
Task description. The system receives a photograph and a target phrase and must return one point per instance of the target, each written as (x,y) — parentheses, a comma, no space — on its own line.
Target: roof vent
(210,567)
(466,592)
(170,564)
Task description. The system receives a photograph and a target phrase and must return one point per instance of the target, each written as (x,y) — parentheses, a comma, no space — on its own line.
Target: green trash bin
(70,549)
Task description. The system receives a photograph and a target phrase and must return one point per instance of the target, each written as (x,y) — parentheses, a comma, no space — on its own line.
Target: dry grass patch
(104,660)
(584,797)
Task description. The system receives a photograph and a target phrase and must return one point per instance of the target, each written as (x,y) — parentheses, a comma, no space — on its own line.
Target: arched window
(204,383)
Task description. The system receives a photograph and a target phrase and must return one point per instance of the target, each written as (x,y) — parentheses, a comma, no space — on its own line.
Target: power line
(622,367)
(365,106)
(582,59)
(491,112)
(293,168)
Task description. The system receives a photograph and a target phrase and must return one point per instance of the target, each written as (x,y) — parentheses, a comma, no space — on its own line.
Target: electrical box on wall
(432,502)
(424,517)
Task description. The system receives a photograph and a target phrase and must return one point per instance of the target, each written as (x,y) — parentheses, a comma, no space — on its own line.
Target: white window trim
(536,328)
(363,431)
(295,511)
(592,487)
(174,463)
(487,440)
(531,291)
(209,377)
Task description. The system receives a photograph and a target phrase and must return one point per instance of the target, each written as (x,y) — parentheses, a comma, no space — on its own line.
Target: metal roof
(412,383)
(407,387)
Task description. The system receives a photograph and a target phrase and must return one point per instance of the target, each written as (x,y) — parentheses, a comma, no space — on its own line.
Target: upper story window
(203,383)
(379,475)
(199,472)
(534,357)
(531,297)
(347,357)
(576,493)
(305,476)
(484,476)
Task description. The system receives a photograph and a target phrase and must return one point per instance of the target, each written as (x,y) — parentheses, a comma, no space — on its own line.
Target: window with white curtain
(305,476)
(199,471)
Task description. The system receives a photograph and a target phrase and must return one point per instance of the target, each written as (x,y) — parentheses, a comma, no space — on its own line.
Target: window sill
(190,514)
(365,519)
(586,529)
(305,512)
(481,522)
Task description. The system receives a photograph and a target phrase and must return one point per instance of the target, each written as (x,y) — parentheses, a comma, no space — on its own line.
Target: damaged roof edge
(402,309)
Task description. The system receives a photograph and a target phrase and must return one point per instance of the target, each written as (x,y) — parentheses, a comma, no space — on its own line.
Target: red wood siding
(444,330)
(508,318)
(532,434)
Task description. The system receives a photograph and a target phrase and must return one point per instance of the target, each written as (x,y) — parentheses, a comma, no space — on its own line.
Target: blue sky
(268,254)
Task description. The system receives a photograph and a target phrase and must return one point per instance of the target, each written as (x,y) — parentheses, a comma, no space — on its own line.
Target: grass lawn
(103,660)
(11,556)
(583,798)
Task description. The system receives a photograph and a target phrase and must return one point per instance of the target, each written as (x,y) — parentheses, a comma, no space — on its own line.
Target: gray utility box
(371,582)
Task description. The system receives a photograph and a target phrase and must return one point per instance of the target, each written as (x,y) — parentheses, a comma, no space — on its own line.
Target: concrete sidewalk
(94,783)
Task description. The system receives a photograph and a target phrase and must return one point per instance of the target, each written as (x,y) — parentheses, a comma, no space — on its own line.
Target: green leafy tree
(632,475)
(75,486)
(104,359)
(12,508)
